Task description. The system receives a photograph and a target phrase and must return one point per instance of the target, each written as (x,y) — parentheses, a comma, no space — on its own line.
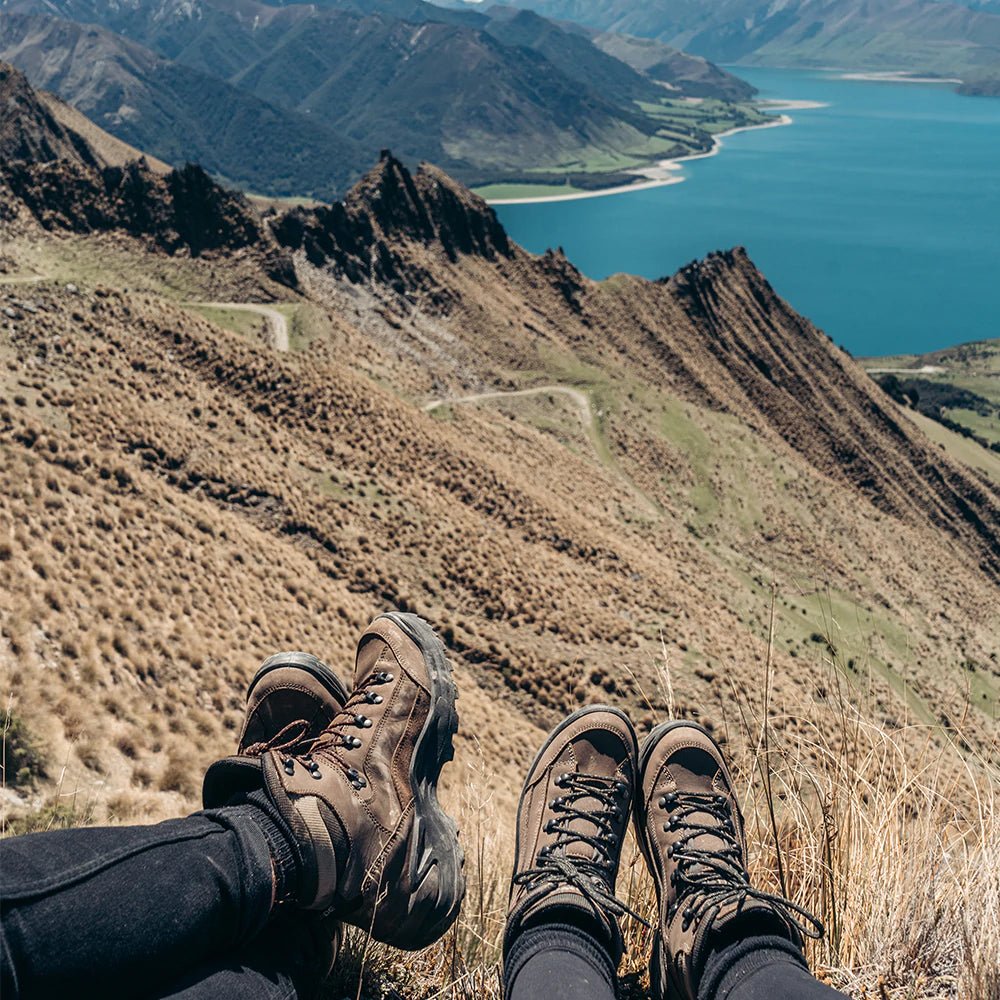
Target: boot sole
(658,987)
(303,661)
(436,859)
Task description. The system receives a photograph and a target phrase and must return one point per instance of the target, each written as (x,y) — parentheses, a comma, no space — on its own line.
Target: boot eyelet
(316,773)
(289,766)
(670,850)
(562,780)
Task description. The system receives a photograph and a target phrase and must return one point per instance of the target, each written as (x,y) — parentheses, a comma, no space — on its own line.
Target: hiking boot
(292,697)
(574,810)
(690,831)
(361,798)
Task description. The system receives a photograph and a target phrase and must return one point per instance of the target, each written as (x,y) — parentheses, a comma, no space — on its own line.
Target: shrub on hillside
(23,760)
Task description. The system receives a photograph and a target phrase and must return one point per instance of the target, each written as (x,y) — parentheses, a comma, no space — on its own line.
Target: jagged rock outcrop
(185,209)
(359,238)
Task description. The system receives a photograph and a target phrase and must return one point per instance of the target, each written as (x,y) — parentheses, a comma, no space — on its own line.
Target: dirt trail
(277,322)
(588,418)
(578,397)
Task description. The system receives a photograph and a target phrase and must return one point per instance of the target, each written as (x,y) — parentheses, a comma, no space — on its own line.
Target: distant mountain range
(296,99)
(927,36)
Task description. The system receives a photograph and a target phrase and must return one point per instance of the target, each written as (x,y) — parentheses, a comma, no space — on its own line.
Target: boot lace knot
(591,876)
(711,877)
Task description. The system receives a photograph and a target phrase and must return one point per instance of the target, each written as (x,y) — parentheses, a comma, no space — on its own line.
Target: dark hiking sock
(559,961)
(286,855)
(286,851)
(760,968)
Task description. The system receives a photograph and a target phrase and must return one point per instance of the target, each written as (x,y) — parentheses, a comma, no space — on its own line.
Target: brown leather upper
(681,770)
(599,743)
(364,787)
(283,696)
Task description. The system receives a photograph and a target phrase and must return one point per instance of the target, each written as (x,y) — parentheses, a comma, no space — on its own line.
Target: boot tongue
(694,773)
(591,756)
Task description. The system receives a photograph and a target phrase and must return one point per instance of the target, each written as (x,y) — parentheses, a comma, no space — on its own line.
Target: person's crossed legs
(229,902)
(346,822)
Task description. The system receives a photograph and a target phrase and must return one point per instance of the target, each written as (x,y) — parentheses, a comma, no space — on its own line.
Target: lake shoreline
(663,172)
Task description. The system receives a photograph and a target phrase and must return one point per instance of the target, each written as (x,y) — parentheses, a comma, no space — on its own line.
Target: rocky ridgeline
(360,236)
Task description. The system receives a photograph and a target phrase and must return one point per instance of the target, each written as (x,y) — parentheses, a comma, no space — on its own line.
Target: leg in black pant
(559,961)
(123,911)
(288,961)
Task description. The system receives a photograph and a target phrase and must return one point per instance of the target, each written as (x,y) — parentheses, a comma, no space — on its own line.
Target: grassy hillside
(678,497)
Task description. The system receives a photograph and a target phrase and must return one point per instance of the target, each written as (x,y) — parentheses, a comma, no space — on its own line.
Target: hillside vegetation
(678,497)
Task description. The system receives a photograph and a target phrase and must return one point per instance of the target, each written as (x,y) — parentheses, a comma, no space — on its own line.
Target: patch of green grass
(246,324)
(678,428)
(986,426)
(498,192)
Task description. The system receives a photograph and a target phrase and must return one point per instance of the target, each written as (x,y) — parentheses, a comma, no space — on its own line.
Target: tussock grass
(873,829)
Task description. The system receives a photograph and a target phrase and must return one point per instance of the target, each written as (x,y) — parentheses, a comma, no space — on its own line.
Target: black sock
(759,968)
(286,853)
(560,962)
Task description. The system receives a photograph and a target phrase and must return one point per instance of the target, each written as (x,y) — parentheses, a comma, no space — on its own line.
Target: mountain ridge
(487,97)
(924,36)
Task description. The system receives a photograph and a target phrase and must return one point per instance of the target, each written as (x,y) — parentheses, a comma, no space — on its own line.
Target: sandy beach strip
(787,104)
(898,76)
(658,175)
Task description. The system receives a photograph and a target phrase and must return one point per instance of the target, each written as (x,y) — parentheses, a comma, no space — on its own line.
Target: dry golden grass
(865,826)
(176,504)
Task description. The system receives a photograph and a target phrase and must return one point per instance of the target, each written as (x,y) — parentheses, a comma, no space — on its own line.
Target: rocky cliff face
(360,237)
(54,175)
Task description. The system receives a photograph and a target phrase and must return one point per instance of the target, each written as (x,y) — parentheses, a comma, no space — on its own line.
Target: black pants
(182,909)
(176,909)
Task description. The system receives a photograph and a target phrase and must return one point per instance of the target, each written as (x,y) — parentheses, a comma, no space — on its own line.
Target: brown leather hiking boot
(690,831)
(361,798)
(293,696)
(571,819)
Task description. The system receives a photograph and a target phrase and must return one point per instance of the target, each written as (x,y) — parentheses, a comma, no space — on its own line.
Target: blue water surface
(877,216)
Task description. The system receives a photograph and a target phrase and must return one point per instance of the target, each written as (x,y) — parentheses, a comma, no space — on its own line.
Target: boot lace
(712,877)
(590,876)
(340,735)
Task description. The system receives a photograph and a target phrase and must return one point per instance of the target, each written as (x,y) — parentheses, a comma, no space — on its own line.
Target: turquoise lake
(877,216)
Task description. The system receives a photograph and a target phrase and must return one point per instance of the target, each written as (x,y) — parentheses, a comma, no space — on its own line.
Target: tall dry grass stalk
(890,837)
